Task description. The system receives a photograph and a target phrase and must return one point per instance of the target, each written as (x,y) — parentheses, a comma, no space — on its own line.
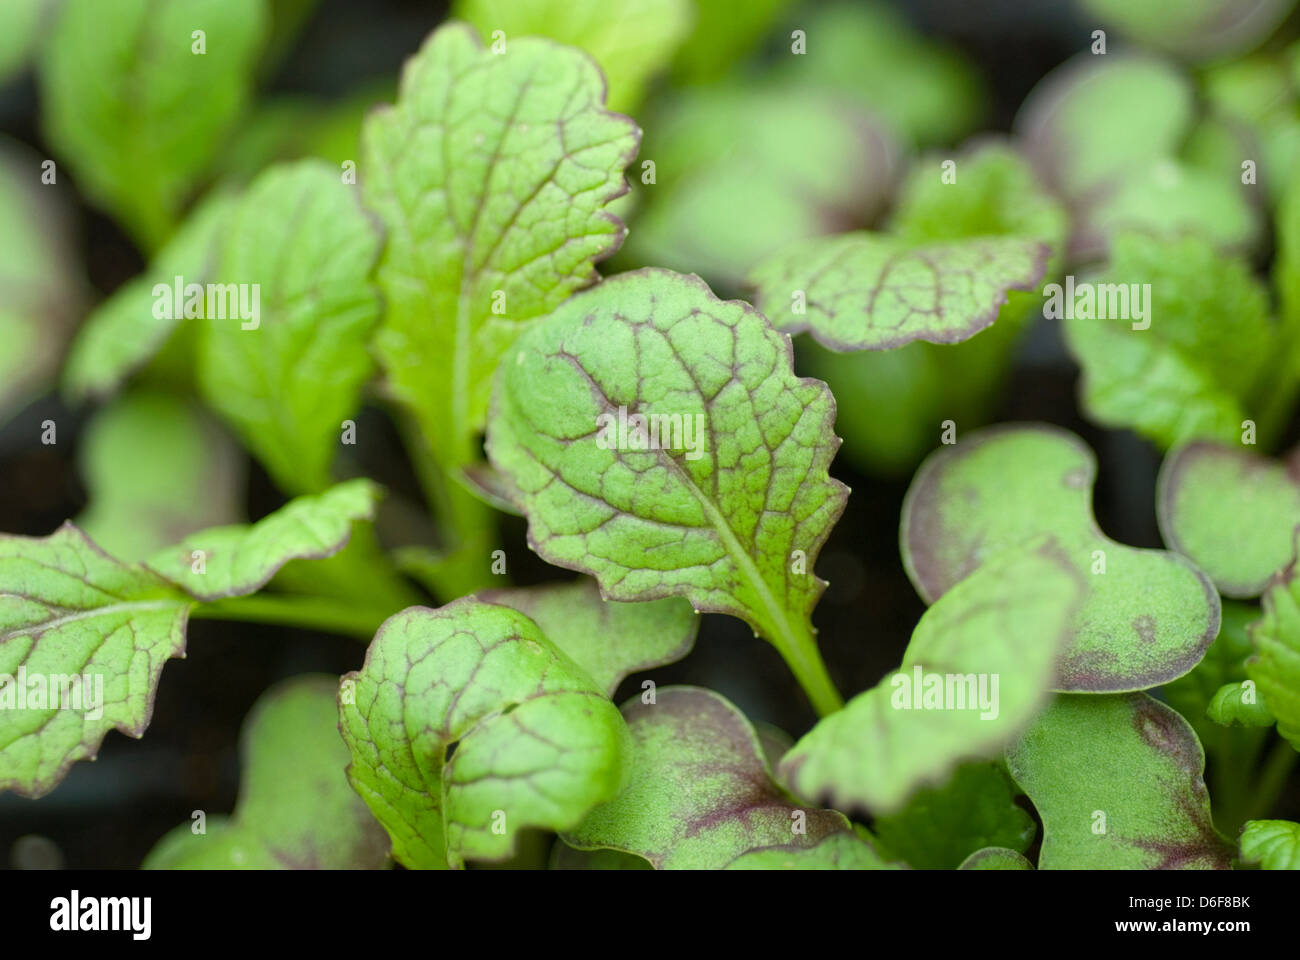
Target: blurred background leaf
(42,292)
(632,40)
(139,138)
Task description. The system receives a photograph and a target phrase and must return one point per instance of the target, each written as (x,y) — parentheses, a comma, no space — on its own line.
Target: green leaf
(296,810)
(700,793)
(536,743)
(140,134)
(1286,264)
(129,328)
(1230,512)
(1118,783)
(722,34)
(742,170)
(1238,705)
(1277,395)
(606,638)
(1224,662)
(20,23)
(1144,621)
(99,630)
(41,291)
(293,127)
(1177,372)
(69,612)
(942,827)
(774,741)
(1215,147)
(288,371)
(1273,844)
(1106,132)
(868,53)
(1170,198)
(490,175)
(564,857)
(1276,666)
(838,851)
(1250,89)
(288,18)
(239,560)
(1199,29)
(991,643)
(359,582)
(731,516)
(1134,381)
(920,384)
(996,858)
(866,291)
(1239,780)
(1094,119)
(996,193)
(631,40)
(136,508)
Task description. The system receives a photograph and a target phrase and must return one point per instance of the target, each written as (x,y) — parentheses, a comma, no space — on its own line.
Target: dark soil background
(111,812)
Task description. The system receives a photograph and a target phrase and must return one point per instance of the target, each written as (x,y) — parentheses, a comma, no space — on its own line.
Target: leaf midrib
(775,611)
(779,623)
(460,373)
(39,628)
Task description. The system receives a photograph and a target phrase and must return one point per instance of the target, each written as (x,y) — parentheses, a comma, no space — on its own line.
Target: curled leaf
(1272,844)
(467,725)
(997,194)
(83,637)
(238,560)
(1238,705)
